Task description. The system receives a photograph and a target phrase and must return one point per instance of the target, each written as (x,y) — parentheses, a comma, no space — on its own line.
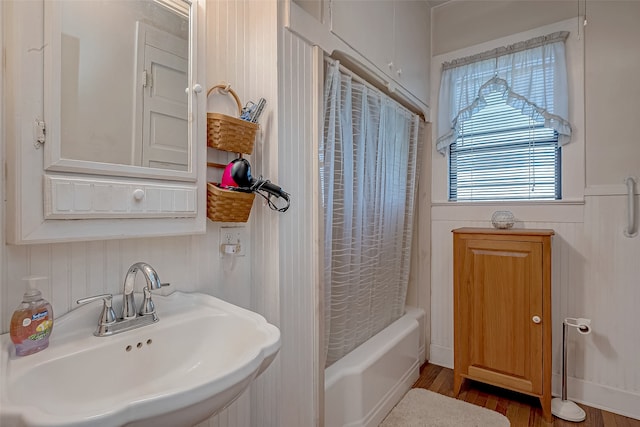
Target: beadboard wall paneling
(242,41)
(234,415)
(595,274)
(419,288)
(299,256)
(611,291)
(80,269)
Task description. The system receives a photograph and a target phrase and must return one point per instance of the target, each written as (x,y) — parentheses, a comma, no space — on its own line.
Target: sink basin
(200,356)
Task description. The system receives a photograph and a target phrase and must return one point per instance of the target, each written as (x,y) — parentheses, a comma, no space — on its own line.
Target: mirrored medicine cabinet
(105,118)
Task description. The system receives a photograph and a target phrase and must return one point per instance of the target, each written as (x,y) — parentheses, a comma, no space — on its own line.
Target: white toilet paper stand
(561,407)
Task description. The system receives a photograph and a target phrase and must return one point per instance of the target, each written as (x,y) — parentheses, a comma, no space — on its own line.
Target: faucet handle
(107,316)
(147,306)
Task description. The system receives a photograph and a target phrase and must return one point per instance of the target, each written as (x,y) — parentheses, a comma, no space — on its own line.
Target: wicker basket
(227,205)
(230,133)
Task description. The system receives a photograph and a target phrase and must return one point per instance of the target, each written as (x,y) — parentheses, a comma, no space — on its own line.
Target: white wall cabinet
(393,35)
(52,197)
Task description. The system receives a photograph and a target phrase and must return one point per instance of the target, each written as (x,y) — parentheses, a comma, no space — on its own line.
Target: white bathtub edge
(363,387)
(392,398)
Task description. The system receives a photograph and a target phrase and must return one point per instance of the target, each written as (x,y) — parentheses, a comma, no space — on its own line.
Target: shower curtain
(368,175)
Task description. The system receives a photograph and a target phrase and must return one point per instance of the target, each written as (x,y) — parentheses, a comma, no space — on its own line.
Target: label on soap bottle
(43,328)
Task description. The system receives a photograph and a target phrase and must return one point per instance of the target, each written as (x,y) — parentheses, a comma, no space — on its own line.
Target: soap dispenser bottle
(32,322)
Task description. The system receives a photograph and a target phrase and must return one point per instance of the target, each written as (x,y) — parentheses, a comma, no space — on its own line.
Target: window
(502,154)
(502,118)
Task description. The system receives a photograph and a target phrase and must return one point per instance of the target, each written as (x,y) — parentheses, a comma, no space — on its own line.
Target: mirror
(117,99)
(57,193)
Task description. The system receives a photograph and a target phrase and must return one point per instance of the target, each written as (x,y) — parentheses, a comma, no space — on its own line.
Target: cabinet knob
(138,194)
(197,88)
(536,319)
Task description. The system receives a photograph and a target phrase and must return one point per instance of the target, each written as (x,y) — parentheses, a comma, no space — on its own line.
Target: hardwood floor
(522,410)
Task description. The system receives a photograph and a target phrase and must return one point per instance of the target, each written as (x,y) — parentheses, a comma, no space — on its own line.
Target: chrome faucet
(128,303)
(109,324)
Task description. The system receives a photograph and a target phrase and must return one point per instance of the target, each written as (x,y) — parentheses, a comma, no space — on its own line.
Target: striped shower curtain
(368,173)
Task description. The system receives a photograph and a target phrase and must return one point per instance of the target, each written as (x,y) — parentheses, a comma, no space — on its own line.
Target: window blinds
(501,154)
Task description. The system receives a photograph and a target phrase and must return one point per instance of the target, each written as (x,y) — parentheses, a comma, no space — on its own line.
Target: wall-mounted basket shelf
(228,205)
(234,135)
(230,133)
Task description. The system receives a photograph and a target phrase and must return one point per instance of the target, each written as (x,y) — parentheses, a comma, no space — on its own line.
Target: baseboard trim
(441,356)
(599,396)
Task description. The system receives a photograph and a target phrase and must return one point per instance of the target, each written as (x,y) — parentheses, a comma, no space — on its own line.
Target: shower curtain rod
(369,85)
(350,73)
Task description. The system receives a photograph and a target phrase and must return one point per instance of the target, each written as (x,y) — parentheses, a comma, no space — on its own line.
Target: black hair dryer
(237,176)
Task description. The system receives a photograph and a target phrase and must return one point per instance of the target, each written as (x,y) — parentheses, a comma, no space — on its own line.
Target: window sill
(547,211)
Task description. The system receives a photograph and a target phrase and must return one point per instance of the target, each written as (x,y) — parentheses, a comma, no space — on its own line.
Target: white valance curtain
(368,172)
(531,75)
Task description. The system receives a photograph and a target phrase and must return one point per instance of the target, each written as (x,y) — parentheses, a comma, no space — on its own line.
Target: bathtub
(361,388)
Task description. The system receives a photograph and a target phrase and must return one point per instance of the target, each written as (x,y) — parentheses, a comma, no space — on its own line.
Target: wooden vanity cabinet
(502,310)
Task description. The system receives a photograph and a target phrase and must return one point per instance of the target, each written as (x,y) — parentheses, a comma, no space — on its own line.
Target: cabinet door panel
(367,26)
(411,47)
(505,293)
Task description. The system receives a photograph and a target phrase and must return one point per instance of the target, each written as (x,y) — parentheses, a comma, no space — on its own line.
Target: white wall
(486,20)
(189,263)
(595,268)
(259,58)
(612,92)
(301,306)
(242,41)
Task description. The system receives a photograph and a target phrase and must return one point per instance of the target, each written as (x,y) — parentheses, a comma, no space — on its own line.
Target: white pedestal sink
(200,356)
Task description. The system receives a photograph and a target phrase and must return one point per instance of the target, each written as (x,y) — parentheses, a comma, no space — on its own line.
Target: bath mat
(424,408)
